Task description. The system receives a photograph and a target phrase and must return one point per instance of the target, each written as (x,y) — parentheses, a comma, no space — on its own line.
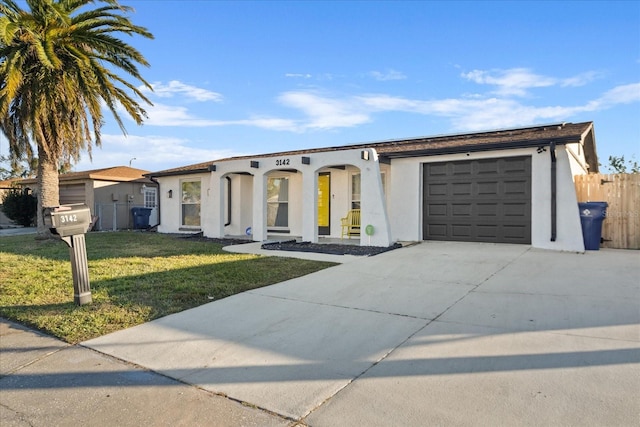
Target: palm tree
(59,65)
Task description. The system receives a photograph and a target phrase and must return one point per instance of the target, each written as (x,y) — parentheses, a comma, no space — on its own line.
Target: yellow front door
(324,204)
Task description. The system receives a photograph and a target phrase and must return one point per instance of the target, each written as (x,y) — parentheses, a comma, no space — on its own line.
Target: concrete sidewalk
(434,334)
(46,382)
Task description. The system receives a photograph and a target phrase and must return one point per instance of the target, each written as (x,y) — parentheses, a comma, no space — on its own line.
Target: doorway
(324,204)
(151,201)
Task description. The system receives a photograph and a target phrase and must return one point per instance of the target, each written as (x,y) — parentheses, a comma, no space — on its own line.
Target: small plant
(19,206)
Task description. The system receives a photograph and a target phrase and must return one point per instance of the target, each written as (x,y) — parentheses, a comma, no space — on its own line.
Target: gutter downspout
(554,195)
(228,201)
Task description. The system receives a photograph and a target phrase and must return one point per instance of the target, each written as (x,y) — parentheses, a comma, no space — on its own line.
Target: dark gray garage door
(485,200)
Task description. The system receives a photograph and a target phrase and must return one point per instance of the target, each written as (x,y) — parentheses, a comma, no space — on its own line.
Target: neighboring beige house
(110,193)
(4,187)
(505,186)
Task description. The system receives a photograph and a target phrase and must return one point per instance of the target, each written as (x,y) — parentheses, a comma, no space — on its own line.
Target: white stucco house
(505,186)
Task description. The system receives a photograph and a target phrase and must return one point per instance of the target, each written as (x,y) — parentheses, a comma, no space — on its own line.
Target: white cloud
(176,87)
(388,75)
(171,115)
(323,112)
(163,115)
(625,94)
(518,81)
(298,75)
(150,153)
(581,79)
(514,81)
(465,113)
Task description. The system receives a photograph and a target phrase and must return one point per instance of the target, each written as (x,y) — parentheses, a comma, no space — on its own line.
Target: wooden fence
(621,228)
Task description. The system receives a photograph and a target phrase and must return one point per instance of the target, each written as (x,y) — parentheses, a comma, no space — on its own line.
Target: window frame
(278,203)
(184,204)
(353,202)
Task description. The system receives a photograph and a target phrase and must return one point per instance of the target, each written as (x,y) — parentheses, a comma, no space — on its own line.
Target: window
(150,197)
(355,191)
(190,199)
(278,203)
(355,188)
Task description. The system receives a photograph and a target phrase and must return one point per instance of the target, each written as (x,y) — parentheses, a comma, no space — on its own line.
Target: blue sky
(244,77)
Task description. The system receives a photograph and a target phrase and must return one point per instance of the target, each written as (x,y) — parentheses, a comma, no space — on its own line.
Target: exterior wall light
(170,193)
(306,160)
(364,155)
(255,164)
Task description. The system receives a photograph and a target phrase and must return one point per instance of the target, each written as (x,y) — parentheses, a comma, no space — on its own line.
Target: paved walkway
(15,231)
(434,334)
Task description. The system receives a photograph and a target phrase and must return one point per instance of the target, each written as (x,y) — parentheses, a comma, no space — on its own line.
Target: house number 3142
(68,218)
(282,162)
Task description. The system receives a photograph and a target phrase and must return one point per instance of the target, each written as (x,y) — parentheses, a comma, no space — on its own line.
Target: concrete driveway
(438,333)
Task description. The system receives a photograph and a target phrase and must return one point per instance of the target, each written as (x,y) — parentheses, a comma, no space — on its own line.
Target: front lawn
(135,277)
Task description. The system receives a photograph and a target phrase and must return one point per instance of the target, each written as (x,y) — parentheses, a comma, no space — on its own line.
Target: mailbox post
(70,223)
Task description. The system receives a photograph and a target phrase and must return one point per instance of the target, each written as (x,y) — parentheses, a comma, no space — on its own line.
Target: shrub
(20,207)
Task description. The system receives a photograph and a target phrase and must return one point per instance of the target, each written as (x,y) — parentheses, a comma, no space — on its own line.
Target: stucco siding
(569,231)
(171,208)
(405,206)
(406,197)
(576,159)
(302,198)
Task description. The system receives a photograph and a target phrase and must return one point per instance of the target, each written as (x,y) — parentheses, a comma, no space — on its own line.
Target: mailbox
(70,223)
(68,220)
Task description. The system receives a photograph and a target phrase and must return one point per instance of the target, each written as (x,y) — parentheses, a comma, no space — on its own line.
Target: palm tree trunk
(48,194)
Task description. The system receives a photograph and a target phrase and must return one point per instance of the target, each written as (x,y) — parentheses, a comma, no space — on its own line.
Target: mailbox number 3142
(68,218)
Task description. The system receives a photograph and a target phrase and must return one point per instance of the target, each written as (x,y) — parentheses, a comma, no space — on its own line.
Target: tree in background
(619,165)
(58,65)
(11,168)
(19,206)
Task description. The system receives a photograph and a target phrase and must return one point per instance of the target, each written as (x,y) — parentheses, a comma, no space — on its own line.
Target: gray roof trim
(177,172)
(486,147)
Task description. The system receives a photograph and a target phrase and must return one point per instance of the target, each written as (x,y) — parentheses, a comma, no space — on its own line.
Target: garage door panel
(461,230)
(435,190)
(437,210)
(517,165)
(485,200)
(515,232)
(488,188)
(462,168)
(485,231)
(516,209)
(487,209)
(461,209)
(461,189)
(520,187)
(437,231)
(487,167)
(438,170)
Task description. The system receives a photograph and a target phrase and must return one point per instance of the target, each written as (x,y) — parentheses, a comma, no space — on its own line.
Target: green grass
(135,277)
